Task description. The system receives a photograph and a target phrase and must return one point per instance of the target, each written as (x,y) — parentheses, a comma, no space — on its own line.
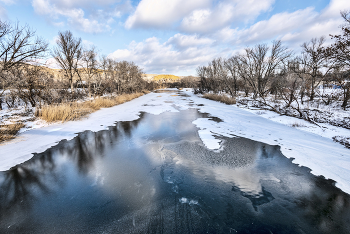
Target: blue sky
(177,36)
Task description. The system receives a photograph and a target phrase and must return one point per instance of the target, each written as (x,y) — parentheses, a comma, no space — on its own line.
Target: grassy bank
(9,131)
(76,110)
(220,98)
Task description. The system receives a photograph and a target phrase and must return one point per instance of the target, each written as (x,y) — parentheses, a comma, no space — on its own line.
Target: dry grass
(76,110)
(220,98)
(9,131)
(297,125)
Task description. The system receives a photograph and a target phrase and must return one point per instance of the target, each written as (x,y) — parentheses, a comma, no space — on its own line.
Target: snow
(325,130)
(309,145)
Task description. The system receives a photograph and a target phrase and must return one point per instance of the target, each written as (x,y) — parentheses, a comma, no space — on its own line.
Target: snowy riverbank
(309,146)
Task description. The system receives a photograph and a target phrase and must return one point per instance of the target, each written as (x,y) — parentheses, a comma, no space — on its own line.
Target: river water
(154,175)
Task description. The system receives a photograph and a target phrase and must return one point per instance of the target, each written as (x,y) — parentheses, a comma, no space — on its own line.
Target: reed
(9,131)
(220,98)
(76,110)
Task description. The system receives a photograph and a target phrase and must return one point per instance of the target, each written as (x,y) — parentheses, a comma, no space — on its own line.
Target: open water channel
(154,175)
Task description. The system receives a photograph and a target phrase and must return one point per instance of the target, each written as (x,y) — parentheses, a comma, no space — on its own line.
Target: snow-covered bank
(43,136)
(323,129)
(321,154)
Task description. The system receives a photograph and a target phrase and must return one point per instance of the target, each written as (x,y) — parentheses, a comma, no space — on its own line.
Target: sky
(177,36)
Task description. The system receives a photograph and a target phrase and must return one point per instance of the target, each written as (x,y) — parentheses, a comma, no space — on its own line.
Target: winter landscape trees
(269,76)
(279,79)
(25,79)
(313,84)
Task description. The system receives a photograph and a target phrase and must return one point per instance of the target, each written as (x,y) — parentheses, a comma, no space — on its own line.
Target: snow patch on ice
(185,200)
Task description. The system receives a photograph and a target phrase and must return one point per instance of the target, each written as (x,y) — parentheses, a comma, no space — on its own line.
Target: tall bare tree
(89,66)
(214,77)
(32,83)
(68,54)
(128,77)
(340,52)
(231,65)
(18,45)
(257,66)
(314,63)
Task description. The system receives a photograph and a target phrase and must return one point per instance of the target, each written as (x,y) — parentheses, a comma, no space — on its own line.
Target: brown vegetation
(220,98)
(9,131)
(77,110)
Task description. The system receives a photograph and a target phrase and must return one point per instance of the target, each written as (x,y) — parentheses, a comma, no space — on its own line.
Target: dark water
(154,175)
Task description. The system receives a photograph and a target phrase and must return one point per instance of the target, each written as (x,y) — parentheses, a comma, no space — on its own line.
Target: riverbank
(320,154)
(21,119)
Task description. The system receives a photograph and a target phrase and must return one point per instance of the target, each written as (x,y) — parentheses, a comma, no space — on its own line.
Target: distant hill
(160,78)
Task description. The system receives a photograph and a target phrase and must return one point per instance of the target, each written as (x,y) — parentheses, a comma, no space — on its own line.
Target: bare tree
(340,52)
(231,65)
(257,66)
(214,77)
(32,83)
(314,63)
(18,45)
(89,66)
(68,54)
(128,77)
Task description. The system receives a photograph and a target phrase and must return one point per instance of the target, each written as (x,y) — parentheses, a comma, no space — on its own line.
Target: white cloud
(68,4)
(161,14)
(101,14)
(278,24)
(156,57)
(196,16)
(294,28)
(184,41)
(223,14)
(87,43)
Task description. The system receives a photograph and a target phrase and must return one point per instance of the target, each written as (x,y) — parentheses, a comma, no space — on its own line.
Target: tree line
(24,78)
(264,70)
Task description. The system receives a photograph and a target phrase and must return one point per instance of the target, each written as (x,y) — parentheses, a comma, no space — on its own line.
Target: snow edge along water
(321,155)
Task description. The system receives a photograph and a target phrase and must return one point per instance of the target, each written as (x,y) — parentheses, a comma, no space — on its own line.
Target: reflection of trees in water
(128,126)
(82,150)
(327,207)
(88,146)
(18,184)
(22,184)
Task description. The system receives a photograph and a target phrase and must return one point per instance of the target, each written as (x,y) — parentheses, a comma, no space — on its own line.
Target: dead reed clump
(297,125)
(220,98)
(74,111)
(9,131)
(63,112)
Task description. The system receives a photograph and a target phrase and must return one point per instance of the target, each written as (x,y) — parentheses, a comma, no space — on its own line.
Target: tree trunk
(235,81)
(71,86)
(312,95)
(346,97)
(89,88)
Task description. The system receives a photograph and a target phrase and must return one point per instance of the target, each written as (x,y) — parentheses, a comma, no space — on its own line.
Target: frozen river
(155,175)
